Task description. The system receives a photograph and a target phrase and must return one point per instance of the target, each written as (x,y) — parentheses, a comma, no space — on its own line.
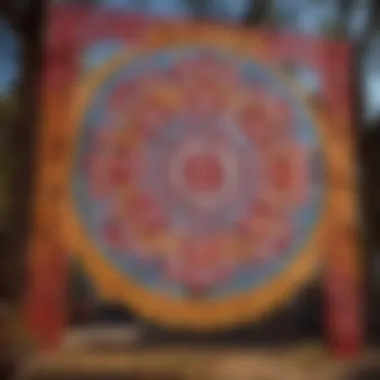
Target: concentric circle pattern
(197,174)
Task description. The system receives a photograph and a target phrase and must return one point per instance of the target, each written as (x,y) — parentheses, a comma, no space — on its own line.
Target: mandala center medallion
(204,175)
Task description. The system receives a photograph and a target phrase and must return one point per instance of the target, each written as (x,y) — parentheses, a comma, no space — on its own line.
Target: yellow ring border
(166,311)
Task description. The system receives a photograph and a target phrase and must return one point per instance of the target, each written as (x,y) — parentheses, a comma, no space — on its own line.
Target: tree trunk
(259,12)
(198,8)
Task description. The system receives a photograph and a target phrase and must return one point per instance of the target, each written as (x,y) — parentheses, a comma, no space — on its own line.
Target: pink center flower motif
(262,218)
(116,234)
(255,122)
(203,173)
(284,238)
(107,175)
(202,264)
(145,215)
(108,168)
(206,83)
(205,96)
(289,174)
(267,228)
(205,69)
(282,116)
(266,119)
(150,115)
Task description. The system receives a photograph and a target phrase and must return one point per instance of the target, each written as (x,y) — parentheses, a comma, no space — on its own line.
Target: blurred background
(21,33)
(357,20)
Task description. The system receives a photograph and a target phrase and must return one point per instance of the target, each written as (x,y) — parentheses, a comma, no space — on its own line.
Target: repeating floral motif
(201,172)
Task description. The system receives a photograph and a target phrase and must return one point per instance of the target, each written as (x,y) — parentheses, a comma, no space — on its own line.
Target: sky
(219,8)
(9,68)
(304,15)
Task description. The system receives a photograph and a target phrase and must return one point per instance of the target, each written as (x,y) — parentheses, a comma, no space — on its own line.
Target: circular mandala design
(197,174)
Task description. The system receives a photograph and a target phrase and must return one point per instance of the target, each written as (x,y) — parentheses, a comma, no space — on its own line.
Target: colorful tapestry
(200,175)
